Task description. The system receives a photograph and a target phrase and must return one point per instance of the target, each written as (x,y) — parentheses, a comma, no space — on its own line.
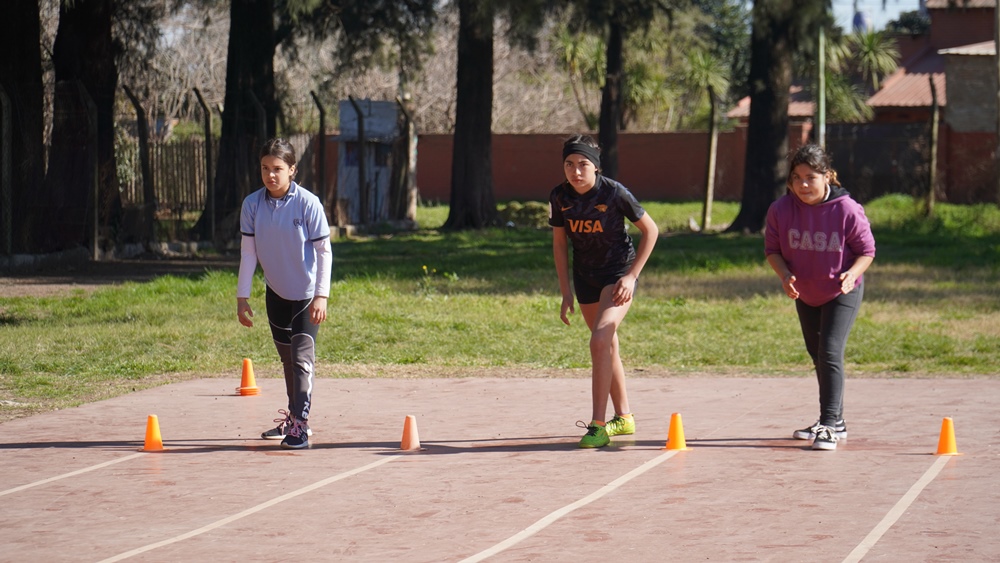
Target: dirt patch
(55,280)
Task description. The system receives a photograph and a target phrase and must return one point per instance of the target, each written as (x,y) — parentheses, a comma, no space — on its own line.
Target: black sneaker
(839,429)
(298,436)
(826,439)
(281,430)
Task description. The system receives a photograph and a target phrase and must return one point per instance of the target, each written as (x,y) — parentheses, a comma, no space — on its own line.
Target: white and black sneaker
(826,439)
(298,436)
(839,430)
(281,430)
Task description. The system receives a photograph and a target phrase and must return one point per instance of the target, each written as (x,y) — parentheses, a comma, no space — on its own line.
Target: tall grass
(430,302)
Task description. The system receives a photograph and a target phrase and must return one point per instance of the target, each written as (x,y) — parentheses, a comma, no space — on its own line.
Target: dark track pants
(295,338)
(825,330)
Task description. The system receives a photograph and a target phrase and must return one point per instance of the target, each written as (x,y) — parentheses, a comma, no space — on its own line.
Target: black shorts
(588,287)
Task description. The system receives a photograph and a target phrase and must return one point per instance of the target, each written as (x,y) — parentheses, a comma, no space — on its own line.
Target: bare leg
(619,398)
(607,372)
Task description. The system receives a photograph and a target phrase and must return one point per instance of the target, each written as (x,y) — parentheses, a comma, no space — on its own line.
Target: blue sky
(843,11)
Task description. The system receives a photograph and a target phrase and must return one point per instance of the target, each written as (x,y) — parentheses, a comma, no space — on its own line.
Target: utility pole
(932,175)
(821,91)
(996,61)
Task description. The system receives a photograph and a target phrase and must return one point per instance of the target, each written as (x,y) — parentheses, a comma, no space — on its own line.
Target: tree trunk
(611,101)
(64,208)
(249,75)
(21,78)
(770,77)
(472,203)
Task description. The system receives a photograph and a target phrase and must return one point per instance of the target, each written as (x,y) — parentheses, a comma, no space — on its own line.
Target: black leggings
(295,338)
(825,330)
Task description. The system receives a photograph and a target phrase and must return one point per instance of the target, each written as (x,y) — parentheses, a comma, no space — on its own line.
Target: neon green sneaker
(596,436)
(620,425)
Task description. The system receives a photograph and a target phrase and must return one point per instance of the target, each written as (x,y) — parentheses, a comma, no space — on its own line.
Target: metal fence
(178,170)
(875,159)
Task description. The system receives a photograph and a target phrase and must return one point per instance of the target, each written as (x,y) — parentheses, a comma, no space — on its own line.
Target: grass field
(433,302)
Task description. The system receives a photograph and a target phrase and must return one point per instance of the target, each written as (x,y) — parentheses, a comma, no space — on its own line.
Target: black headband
(592,153)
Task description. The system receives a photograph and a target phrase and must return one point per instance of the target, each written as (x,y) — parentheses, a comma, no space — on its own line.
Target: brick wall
(968,171)
(954,27)
(655,166)
(666,166)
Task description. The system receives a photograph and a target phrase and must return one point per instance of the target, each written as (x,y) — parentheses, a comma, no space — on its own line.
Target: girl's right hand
(567,305)
(789,286)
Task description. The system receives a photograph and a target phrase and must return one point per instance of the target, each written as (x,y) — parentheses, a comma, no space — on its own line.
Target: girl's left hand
(847,282)
(622,293)
(317,310)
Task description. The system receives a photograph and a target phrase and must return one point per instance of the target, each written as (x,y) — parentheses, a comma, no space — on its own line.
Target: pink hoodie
(818,242)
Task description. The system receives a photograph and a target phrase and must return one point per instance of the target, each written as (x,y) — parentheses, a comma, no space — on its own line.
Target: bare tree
(191,54)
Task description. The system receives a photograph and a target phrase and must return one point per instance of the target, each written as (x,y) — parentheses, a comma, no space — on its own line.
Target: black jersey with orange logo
(595,224)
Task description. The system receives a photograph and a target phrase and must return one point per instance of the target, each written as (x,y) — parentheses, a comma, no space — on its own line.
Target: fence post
(713,148)
(6,140)
(321,148)
(362,163)
(148,192)
(209,179)
(88,102)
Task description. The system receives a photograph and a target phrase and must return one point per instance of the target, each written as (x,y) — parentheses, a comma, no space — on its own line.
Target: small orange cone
(946,443)
(154,443)
(411,439)
(249,384)
(675,436)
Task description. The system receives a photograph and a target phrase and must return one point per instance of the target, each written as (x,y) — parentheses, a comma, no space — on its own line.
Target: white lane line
(547,520)
(70,474)
(251,510)
(872,538)
(552,517)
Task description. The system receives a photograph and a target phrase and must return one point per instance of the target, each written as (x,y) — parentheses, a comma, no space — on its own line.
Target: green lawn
(431,302)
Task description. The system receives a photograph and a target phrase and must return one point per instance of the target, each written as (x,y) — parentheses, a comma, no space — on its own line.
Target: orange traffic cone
(153,443)
(249,384)
(411,439)
(675,436)
(946,443)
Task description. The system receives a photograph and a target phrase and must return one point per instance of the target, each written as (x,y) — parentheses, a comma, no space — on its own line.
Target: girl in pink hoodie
(819,242)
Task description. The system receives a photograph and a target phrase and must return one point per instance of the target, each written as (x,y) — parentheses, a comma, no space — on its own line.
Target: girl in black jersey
(589,211)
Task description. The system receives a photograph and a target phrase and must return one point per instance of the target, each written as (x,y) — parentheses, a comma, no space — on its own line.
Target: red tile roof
(800,105)
(910,86)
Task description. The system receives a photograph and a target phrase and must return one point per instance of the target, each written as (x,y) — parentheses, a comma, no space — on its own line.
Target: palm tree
(868,56)
(703,71)
(875,54)
(845,99)
(616,21)
(582,57)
